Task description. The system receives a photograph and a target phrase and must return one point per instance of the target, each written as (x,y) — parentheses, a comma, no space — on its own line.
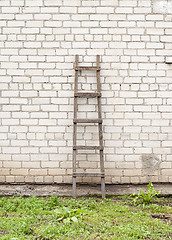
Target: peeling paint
(162,6)
(150,164)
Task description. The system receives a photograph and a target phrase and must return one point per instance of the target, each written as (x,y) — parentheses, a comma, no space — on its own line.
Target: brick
(68,10)
(31,165)
(50,164)
(12,164)
(4,172)
(142,10)
(19,172)
(56,172)
(124,10)
(38,172)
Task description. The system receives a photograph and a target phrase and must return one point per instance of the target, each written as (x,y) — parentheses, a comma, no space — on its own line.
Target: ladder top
(90,68)
(80,120)
(87,94)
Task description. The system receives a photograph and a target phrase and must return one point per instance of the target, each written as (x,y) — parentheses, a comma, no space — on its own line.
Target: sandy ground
(82,189)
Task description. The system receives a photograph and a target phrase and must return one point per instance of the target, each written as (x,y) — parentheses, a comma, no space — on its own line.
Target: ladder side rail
(75,124)
(99,103)
(100,128)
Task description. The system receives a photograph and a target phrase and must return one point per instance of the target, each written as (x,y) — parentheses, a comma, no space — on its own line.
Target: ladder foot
(103,187)
(74,187)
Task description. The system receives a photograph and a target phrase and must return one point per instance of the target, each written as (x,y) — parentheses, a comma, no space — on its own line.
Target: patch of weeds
(145,197)
(49,231)
(53,202)
(133,231)
(68,215)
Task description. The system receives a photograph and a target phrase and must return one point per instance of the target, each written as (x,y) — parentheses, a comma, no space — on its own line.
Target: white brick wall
(38,43)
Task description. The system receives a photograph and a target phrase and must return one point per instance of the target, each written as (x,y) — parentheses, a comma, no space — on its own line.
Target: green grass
(85,218)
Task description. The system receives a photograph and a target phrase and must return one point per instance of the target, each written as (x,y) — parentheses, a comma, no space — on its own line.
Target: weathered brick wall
(38,42)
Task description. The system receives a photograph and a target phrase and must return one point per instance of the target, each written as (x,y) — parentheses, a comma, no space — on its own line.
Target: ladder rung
(98,120)
(90,68)
(87,94)
(87,148)
(88,174)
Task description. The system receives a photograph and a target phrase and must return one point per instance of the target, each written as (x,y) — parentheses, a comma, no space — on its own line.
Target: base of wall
(82,189)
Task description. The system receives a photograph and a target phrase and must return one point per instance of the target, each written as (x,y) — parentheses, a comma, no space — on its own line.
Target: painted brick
(37,79)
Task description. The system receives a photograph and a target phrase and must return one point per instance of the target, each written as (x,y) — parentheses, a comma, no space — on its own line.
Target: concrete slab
(82,189)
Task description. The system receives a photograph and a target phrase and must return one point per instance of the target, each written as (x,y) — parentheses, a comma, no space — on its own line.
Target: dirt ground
(82,189)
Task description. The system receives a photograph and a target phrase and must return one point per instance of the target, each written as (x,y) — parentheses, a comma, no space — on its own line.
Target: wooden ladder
(76,120)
